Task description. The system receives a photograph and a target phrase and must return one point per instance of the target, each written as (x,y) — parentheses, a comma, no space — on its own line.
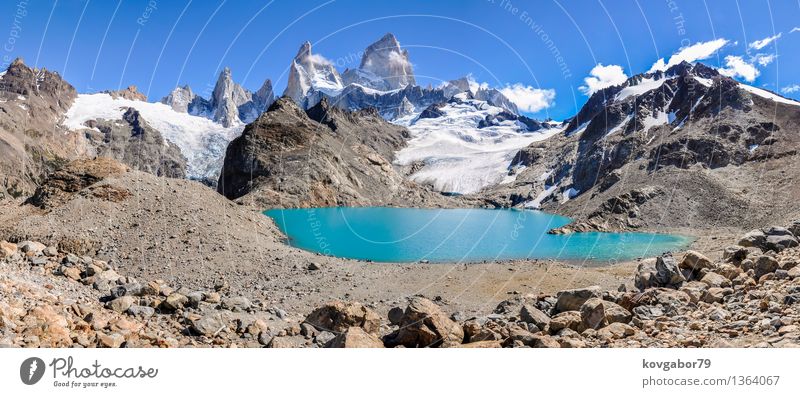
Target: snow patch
(619,127)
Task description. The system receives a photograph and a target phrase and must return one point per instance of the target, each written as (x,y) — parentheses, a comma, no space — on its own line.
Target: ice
(459,157)
(201,140)
(570,193)
(659,118)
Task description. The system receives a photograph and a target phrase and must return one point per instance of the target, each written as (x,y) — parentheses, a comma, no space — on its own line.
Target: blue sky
(540,51)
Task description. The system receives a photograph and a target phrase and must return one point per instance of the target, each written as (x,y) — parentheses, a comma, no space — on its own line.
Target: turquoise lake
(384,234)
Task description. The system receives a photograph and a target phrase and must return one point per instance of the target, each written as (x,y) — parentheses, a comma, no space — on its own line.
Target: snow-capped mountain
(675,132)
(384,81)
(466,144)
(230,103)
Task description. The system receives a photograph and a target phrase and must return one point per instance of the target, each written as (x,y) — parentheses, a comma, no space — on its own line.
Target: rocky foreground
(50,298)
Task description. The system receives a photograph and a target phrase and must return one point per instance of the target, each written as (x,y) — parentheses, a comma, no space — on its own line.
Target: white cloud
(319,59)
(763,59)
(759,44)
(602,77)
(529,99)
(791,89)
(694,52)
(738,67)
(795,29)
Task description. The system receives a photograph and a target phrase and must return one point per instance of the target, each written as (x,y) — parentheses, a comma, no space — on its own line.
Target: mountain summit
(387,61)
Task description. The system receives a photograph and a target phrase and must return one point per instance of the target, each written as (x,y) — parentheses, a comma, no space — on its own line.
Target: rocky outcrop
(131,93)
(133,142)
(322,157)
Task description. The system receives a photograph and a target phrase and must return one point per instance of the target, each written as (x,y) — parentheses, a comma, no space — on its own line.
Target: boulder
(236,304)
(715,280)
(32,247)
(209,325)
(569,319)
(113,340)
(616,313)
(174,302)
(593,314)
(424,324)
(339,316)
(668,273)
(734,254)
(780,242)
(545,341)
(795,228)
(616,331)
(395,315)
(754,238)
(532,315)
(355,337)
(573,299)
(143,312)
(7,249)
(765,264)
(695,261)
(121,304)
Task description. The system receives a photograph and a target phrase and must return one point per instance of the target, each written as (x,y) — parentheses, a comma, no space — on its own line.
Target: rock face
(323,157)
(136,144)
(31,145)
(387,61)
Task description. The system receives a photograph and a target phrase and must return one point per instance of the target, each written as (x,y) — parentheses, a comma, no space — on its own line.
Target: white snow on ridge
(768,95)
(459,157)
(646,85)
(201,140)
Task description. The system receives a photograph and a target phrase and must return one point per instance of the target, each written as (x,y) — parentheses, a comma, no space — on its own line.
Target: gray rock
(144,312)
(765,264)
(209,325)
(236,304)
(754,238)
(121,304)
(174,302)
(324,338)
(532,315)
(668,273)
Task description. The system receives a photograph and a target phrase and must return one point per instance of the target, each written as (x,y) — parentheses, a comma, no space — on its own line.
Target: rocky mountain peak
(227,98)
(385,59)
(310,77)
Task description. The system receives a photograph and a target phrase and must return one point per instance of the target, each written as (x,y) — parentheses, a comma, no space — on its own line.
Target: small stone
(114,340)
(395,315)
(174,302)
(143,312)
(715,280)
(121,304)
(313,266)
(212,297)
(209,325)
(324,337)
(50,251)
(71,273)
(236,304)
(32,247)
(765,264)
(7,249)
